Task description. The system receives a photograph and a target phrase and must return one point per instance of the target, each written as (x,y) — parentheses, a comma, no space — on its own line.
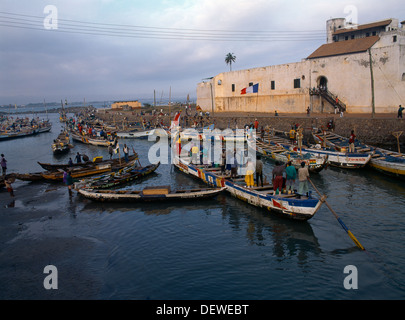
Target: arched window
(322,83)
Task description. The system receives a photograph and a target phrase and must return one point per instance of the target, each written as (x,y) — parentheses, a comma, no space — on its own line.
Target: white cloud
(37,63)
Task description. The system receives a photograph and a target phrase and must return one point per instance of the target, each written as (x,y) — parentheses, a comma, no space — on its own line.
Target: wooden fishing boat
(135,134)
(36,176)
(277,152)
(10,177)
(386,161)
(42,126)
(8,135)
(84,172)
(352,160)
(334,157)
(290,206)
(61,144)
(101,142)
(96,161)
(123,176)
(156,193)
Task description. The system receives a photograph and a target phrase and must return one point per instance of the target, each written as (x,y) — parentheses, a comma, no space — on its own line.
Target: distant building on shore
(126,105)
(336,76)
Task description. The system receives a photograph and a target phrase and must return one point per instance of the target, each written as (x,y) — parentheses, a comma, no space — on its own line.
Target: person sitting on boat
(303,176)
(291,175)
(70,162)
(278,178)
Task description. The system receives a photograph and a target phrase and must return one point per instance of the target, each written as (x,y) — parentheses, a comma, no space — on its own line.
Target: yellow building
(126,105)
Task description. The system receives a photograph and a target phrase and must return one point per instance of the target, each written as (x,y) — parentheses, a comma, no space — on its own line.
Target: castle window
(374,33)
(297,83)
(394,38)
(352,36)
(233,87)
(346,37)
(367,34)
(273,85)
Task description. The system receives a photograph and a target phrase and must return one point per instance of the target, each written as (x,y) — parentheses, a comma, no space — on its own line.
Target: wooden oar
(323,199)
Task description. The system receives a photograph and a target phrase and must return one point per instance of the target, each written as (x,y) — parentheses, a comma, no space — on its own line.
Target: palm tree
(229,58)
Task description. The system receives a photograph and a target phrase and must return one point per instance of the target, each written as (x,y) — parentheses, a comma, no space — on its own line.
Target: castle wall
(348,76)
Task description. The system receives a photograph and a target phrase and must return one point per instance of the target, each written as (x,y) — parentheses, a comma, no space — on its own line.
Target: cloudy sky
(104,50)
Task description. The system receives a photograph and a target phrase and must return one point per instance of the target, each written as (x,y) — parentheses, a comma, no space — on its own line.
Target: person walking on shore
(3,165)
(400,108)
(7,183)
(69,182)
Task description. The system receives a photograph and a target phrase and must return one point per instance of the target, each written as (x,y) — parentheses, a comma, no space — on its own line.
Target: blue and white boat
(286,205)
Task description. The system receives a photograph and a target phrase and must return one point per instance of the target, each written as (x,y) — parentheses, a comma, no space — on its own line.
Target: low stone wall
(376,132)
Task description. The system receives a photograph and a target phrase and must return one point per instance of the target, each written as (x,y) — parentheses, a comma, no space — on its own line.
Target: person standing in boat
(278,178)
(259,170)
(351,141)
(290,176)
(234,166)
(78,158)
(3,165)
(126,151)
(110,150)
(250,169)
(303,177)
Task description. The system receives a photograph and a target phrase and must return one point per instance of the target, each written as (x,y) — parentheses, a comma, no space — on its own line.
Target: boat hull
(296,209)
(138,196)
(385,161)
(106,181)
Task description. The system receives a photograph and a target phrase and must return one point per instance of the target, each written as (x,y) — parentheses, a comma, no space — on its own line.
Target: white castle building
(361,69)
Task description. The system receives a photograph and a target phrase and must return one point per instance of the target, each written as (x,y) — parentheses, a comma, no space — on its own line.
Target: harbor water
(215,249)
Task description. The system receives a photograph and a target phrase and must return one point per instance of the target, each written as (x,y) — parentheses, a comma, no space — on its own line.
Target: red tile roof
(382,23)
(344,47)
